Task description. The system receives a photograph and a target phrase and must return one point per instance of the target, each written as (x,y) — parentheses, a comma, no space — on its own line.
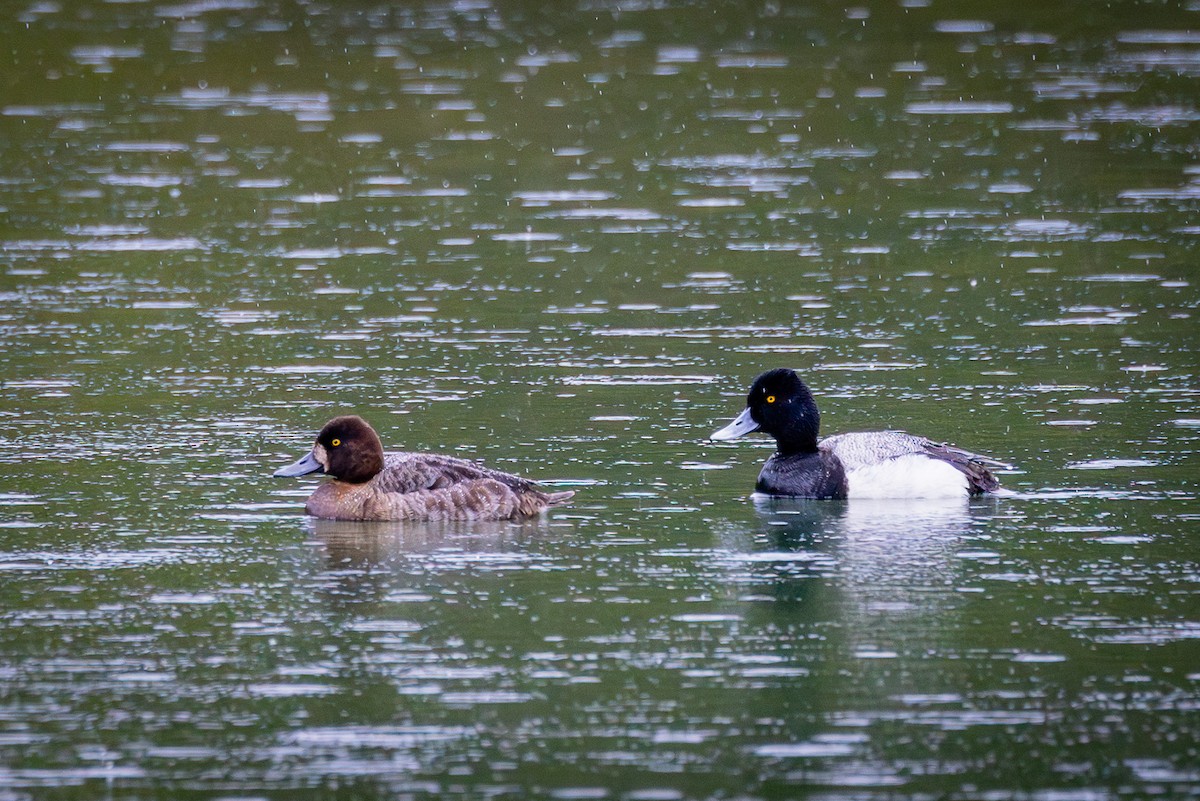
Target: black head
(349,449)
(779,404)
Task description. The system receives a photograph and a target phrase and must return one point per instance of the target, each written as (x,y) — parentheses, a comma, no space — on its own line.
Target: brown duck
(371,485)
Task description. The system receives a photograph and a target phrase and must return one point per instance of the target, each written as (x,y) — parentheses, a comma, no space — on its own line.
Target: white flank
(910,476)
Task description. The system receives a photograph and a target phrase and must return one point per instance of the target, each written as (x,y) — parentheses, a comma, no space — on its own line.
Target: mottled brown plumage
(368,484)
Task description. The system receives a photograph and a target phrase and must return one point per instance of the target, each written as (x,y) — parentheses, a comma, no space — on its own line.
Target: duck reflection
(367,544)
(369,561)
(886,558)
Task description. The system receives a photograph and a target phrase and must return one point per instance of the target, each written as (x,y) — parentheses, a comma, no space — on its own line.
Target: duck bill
(742,424)
(307,464)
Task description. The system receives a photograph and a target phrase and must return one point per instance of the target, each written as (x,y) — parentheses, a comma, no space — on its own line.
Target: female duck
(371,485)
(877,464)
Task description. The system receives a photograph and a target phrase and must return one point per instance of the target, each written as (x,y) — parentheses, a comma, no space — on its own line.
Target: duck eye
(336,442)
(770,399)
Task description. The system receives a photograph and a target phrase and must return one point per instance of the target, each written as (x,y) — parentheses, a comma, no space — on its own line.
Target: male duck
(371,485)
(876,464)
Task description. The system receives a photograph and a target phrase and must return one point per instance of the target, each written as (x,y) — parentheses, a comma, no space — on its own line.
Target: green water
(563,241)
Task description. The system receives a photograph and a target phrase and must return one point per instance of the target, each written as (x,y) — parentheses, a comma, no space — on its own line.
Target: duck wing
(860,450)
(976,467)
(414,472)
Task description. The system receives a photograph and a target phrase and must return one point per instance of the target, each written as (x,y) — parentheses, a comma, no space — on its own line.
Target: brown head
(347,449)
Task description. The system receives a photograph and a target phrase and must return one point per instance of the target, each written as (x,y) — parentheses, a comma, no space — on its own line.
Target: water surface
(564,241)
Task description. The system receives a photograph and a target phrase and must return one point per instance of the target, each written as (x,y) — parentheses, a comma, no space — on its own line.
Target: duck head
(781,405)
(347,449)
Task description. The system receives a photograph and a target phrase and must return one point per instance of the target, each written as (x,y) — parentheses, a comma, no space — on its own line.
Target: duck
(369,484)
(873,464)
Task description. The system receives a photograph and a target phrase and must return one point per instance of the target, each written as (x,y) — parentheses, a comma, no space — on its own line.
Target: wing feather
(414,472)
(862,450)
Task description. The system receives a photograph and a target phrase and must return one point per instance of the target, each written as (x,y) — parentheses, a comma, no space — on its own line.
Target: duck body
(876,464)
(368,484)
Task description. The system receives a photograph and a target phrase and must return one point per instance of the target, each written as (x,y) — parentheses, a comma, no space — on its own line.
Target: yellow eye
(770,399)
(336,442)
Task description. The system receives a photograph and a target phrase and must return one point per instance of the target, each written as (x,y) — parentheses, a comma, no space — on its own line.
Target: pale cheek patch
(322,456)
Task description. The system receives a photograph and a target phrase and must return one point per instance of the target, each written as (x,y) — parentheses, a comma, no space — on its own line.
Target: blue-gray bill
(307,464)
(742,424)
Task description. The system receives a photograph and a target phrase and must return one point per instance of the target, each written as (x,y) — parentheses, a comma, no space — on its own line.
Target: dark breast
(805,475)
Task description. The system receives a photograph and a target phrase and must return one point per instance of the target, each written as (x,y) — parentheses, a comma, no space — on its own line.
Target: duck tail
(534,502)
(559,498)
